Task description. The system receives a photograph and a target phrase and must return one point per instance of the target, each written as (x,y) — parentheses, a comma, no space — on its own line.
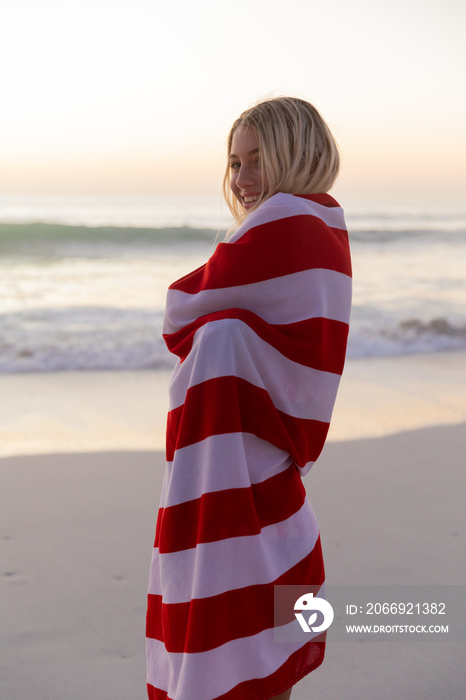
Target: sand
(77,525)
(53,412)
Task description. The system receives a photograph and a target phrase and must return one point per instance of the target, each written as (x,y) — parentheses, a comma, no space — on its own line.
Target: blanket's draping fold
(260,331)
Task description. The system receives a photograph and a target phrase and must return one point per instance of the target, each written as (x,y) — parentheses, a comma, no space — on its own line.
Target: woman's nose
(245,177)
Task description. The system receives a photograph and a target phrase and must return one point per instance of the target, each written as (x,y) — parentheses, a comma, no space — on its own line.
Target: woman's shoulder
(316,204)
(283,206)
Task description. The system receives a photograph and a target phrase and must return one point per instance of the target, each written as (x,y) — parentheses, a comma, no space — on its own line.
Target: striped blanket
(260,331)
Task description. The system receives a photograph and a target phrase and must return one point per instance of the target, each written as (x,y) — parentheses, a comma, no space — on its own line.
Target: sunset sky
(137,96)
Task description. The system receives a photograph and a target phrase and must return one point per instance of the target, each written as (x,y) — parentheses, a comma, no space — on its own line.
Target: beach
(82,466)
(86,411)
(123,175)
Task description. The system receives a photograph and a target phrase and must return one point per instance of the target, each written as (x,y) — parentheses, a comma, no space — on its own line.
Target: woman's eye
(234,166)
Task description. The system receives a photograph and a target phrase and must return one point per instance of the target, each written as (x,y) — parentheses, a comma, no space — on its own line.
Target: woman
(260,331)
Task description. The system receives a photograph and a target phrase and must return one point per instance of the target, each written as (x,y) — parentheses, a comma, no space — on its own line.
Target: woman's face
(245,180)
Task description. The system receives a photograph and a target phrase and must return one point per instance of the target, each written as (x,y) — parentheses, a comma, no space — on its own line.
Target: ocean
(83,279)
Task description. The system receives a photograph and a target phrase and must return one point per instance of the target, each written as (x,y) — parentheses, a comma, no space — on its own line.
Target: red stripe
(156,693)
(270,250)
(295,667)
(206,623)
(322,198)
(242,407)
(315,342)
(299,664)
(229,513)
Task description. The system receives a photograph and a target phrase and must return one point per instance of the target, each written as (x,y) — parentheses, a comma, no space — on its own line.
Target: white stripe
(212,673)
(230,348)
(288,299)
(212,568)
(283,206)
(236,460)
(306,468)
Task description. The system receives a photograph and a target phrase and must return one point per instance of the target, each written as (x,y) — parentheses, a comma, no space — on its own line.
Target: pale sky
(137,96)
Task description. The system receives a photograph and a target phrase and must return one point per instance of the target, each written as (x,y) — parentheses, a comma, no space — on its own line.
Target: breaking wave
(408,336)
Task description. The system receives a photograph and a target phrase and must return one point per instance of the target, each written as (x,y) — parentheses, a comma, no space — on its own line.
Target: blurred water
(75,297)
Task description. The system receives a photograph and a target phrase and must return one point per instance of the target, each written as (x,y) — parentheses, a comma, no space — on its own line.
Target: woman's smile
(246,180)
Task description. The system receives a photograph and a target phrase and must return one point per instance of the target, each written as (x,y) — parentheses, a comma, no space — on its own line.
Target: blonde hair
(298,152)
